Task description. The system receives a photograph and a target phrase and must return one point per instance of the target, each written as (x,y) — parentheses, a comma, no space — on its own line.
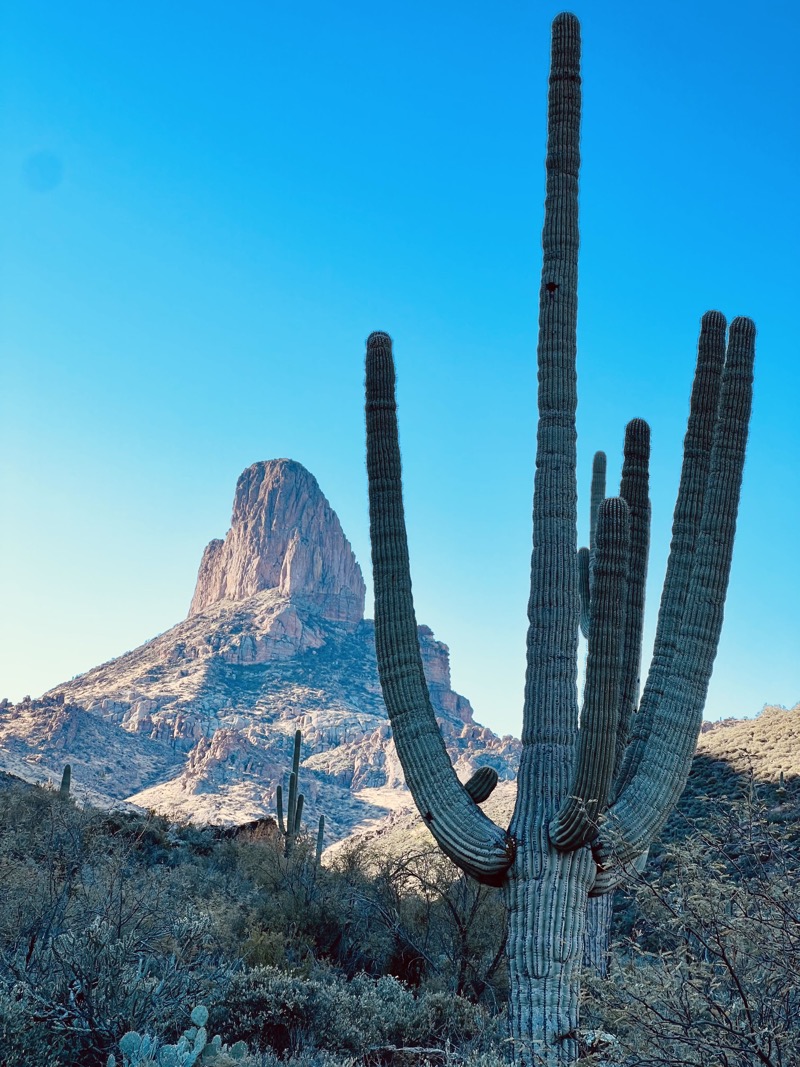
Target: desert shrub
(437,929)
(95,939)
(269,1008)
(264,1006)
(117,922)
(712,978)
(307,1058)
(23,1037)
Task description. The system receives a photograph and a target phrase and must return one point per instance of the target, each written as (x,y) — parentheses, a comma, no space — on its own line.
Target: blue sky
(207,209)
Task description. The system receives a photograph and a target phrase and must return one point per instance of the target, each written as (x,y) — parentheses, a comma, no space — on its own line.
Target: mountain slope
(199,722)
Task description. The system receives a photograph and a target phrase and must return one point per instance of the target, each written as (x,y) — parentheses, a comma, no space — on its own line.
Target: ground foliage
(706,966)
(113,922)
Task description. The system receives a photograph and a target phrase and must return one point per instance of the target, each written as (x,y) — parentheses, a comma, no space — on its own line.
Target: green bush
(116,922)
(269,1008)
(712,977)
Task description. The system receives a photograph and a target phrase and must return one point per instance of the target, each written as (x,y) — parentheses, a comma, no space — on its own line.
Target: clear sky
(207,208)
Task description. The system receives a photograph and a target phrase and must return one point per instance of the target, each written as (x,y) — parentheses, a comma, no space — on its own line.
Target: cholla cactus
(589,800)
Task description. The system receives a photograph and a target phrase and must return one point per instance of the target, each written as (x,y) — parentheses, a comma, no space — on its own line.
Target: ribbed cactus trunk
(546,891)
(588,804)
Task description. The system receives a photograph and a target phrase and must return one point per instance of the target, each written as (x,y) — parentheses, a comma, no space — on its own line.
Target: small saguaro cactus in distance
(594,789)
(290,826)
(66,781)
(320,841)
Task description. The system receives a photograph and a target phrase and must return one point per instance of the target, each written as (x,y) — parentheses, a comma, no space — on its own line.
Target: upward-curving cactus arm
(578,818)
(461,829)
(584,590)
(685,527)
(634,490)
(298,817)
(597,495)
(646,800)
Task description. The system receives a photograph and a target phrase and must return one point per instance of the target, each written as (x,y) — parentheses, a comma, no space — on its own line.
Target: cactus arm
(279,809)
(295,806)
(298,740)
(463,832)
(597,495)
(298,814)
(643,805)
(320,841)
(578,817)
(482,783)
(634,490)
(584,592)
(685,526)
(66,781)
(291,806)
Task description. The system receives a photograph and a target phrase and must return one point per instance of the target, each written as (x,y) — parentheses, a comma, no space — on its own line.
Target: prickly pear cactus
(192,1047)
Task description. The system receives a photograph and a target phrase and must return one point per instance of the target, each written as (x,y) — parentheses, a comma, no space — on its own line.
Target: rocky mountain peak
(199,722)
(285,536)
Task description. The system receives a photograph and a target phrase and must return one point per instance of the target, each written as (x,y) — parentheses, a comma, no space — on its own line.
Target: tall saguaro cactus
(589,801)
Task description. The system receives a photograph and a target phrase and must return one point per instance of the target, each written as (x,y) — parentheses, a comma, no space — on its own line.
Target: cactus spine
(574,787)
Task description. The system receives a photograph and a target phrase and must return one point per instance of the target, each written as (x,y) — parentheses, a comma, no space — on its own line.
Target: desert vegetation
(115,924)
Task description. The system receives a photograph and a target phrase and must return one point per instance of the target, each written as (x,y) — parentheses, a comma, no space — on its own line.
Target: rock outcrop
(285,536)
(199,722)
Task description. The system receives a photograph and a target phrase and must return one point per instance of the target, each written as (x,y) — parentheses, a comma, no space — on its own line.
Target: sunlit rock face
(199,722)
(285,536)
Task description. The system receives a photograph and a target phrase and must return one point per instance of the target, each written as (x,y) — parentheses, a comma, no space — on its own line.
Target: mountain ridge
(198,723)
(201,718)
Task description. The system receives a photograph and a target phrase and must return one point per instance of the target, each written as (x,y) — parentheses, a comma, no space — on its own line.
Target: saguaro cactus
(290,826)
(588,803)
(66,781)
